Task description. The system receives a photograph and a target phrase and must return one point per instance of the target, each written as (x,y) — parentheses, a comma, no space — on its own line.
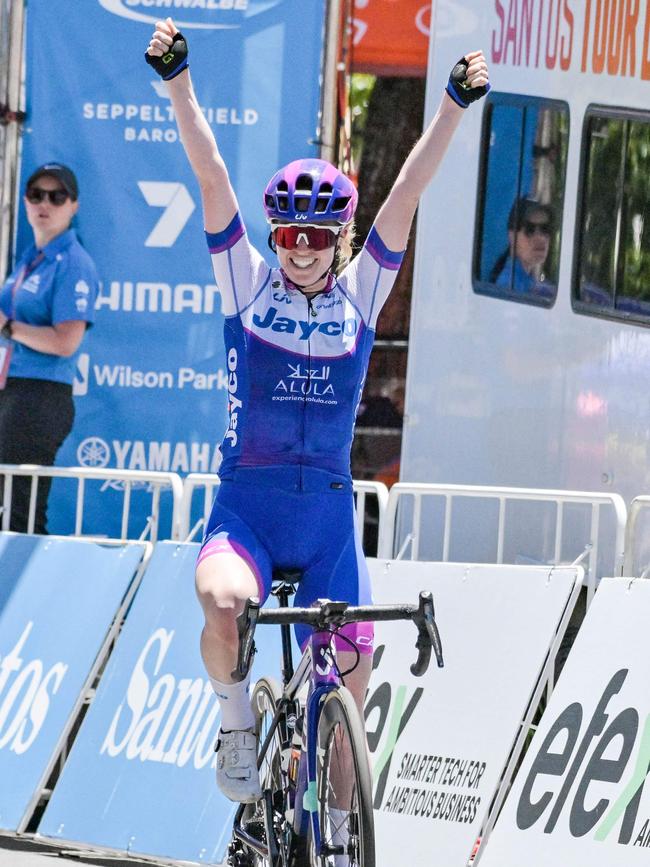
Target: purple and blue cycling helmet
(310,190)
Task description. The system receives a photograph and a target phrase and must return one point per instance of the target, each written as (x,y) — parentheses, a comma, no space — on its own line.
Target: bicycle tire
(264,701)
(343,756)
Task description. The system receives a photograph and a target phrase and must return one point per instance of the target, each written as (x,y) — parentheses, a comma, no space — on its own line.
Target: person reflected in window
(521,266)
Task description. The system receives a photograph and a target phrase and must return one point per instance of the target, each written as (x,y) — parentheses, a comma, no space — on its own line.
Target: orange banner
(391,37)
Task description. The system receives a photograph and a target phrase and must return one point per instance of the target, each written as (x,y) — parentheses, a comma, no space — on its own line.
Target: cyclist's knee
(223,583)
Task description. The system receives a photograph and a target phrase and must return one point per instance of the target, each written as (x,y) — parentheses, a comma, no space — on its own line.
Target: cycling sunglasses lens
(35,195)
(531,228)
(317,238)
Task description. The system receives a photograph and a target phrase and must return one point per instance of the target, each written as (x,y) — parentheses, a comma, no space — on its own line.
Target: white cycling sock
(235,703)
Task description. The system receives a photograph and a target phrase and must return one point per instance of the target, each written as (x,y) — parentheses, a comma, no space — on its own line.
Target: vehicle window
(521,192)
(613,241)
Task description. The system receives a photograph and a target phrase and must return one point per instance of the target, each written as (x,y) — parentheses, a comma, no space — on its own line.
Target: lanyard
(24,274)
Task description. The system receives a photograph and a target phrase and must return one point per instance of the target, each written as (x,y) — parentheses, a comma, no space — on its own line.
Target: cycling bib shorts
(295,518)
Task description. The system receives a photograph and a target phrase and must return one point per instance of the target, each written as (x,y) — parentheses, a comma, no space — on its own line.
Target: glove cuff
(451,91)
(184,65)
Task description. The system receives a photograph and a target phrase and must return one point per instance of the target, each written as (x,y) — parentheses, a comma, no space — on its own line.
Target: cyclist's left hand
(469,79)
(167,50)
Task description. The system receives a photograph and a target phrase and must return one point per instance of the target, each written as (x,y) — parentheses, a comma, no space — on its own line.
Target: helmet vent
(304,185)
(324,198)
(340,203)
(282,187)
(270,201)
(283,204)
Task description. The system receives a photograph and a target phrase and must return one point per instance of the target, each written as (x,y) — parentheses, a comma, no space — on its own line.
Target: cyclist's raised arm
(167,54)
(468,82)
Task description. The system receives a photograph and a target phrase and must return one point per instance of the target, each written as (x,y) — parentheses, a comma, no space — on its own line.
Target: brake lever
(246,623)
(428,635)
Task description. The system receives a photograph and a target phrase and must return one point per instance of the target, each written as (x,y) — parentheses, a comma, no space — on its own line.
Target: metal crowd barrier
(156,481)
(389,515)
(394,519)
(638,506)
(207,482)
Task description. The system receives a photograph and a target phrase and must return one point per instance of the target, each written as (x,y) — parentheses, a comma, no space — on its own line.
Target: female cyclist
(297,339)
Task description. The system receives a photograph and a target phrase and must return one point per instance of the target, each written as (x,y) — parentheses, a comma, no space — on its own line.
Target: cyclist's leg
(224,580)
(232,566)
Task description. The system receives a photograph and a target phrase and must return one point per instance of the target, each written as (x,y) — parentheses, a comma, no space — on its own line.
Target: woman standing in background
(46,304)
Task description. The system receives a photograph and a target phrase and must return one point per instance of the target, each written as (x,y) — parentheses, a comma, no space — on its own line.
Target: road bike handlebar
(325,615)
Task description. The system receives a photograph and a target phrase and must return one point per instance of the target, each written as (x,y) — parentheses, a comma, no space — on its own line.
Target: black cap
(63,174)
(523,208)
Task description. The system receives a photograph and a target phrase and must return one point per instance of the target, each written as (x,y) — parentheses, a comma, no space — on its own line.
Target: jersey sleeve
(370,276)
(75,289)
(239,269)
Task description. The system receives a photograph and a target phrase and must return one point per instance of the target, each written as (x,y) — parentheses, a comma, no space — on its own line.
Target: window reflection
(524,163)
(614,244)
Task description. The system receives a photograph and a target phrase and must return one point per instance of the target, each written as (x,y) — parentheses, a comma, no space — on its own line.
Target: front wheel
(344,785)
(266,820)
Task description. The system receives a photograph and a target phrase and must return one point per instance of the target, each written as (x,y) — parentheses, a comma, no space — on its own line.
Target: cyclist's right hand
(167,50)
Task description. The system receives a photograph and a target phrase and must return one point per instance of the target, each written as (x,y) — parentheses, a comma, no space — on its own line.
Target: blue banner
(151,383)
(52,627)
(147,742)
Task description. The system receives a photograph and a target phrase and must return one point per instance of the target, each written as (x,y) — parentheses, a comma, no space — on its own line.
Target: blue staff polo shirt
(62,287)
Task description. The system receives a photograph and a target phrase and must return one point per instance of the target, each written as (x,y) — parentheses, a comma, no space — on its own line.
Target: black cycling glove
(458,89)
(173,62)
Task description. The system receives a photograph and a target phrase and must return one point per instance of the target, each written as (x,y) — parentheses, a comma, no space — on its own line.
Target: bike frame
(323,679)
(317,668)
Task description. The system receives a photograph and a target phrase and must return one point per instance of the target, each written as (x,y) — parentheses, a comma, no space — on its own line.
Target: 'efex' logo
(394,713)
(607,764)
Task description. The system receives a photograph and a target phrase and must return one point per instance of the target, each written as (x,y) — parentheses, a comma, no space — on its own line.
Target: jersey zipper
(311,312)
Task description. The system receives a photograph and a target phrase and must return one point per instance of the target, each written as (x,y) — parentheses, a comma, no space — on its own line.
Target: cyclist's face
(304,265)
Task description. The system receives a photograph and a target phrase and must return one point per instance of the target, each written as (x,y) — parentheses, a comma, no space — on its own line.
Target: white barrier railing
(191,483)
(363,489)
(417,491)
(207,482)
(156,482)
(637,507)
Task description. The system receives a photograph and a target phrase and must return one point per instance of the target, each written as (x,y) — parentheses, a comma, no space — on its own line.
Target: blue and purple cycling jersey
(296,369)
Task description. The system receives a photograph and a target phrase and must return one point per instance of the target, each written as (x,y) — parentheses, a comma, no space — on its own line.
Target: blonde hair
(344,249)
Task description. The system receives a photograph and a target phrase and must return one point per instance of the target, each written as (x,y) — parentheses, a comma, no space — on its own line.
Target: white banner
(580,797)
(441,742)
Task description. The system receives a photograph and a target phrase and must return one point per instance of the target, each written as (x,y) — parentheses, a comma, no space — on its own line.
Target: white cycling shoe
(237,774)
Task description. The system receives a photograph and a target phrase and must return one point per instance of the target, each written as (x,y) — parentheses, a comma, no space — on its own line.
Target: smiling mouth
(302,264)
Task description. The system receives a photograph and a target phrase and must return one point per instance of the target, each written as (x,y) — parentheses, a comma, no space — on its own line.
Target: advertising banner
(581,795)
(391,37)
(441,742)
(52,628)
(148,739)
(151,384)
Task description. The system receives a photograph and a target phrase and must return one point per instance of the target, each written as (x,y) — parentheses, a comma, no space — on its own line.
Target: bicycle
(316,806)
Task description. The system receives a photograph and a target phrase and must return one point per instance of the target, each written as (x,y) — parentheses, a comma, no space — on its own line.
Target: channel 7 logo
(80,382)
